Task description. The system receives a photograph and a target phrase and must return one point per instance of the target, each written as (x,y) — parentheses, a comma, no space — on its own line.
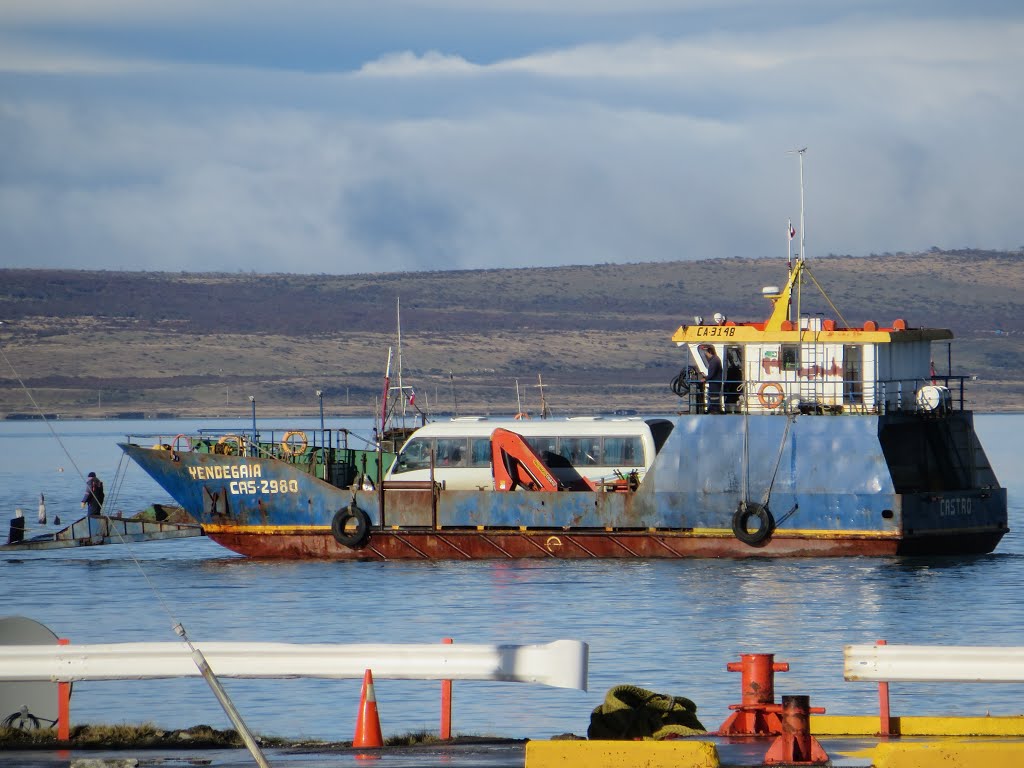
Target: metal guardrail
(933,664)
(254,441)
(561,663)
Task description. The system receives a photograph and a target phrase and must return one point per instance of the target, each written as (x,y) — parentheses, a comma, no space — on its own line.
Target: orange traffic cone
(368,722)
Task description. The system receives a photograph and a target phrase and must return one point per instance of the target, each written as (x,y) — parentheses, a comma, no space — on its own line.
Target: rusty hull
(538,544)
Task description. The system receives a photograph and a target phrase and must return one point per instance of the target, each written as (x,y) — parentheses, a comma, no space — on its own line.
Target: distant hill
(102,343)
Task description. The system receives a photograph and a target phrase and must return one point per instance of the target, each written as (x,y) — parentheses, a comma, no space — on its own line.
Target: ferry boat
(808,437)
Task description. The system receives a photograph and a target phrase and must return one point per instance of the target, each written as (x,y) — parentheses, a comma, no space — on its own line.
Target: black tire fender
(344,533)
(740,519)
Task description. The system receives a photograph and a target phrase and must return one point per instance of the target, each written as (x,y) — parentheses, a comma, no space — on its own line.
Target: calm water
(671,626)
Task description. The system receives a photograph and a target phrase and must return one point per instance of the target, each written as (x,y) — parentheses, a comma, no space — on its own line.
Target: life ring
(770,395)
(187,440)
(230,445)
(294,450)
(343,530)
(740,519)
(521,416)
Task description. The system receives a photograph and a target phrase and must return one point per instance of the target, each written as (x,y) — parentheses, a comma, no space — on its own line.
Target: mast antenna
(802,255)
(803,227)
(398,323)
(544,412)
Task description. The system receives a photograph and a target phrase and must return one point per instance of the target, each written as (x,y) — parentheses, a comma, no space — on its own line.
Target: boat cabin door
(733,370)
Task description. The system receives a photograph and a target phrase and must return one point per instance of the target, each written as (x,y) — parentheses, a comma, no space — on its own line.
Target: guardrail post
(446,704)
(63,703)
(883,703)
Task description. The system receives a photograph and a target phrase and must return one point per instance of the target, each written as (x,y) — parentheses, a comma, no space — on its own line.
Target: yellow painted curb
(847,725)
(676,753)
(961,754)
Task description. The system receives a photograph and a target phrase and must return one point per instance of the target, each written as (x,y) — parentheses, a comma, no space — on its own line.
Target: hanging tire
(746,511)
(351,527)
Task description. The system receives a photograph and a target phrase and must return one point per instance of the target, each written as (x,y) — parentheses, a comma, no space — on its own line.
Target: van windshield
(415,455)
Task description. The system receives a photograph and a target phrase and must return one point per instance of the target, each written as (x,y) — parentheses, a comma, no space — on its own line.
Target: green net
(629,712)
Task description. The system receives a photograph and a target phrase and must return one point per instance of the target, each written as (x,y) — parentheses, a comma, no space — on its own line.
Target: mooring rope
(790,419)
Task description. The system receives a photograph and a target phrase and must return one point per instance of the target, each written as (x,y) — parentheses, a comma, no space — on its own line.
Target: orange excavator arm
(517,465)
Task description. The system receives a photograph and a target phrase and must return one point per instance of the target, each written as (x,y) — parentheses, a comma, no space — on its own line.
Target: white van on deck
(593,447)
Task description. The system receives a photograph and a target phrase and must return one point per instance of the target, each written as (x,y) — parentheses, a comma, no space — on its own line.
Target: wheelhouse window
(853,373)
(790,357)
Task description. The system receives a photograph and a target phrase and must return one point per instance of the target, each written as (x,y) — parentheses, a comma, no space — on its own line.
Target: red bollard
(753,716)
(796,746)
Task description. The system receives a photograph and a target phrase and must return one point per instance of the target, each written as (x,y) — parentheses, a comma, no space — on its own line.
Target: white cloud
(408,64)
(642,148)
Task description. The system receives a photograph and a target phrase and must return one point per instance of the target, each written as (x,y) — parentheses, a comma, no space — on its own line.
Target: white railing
(933,664)
(561,664)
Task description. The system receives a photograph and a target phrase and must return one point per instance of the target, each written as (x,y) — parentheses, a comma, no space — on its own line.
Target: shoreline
(151,737)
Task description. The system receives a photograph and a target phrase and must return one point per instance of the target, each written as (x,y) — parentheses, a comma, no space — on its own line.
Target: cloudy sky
(343,136)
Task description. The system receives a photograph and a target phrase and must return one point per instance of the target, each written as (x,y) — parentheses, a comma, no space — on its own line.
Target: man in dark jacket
(93,498)
(714,379)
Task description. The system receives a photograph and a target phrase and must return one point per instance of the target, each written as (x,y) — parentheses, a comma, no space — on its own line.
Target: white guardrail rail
(561,663)
(933,664)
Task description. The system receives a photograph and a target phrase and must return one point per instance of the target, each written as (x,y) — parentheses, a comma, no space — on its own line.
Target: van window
(575,450)
(415,455)
(623,452)
(542,445)
(451,452)
(480,450)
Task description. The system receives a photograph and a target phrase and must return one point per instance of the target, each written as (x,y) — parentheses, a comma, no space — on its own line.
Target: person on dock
(93,498)
(714,379)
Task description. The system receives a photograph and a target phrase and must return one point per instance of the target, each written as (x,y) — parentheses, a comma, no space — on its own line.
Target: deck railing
(334,455)
(762,396)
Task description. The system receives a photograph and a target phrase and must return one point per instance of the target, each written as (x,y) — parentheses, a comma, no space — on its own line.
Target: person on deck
(93,498)
(733,382)
(714,379)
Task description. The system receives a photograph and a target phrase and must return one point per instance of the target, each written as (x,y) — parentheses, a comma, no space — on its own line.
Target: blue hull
(828,485)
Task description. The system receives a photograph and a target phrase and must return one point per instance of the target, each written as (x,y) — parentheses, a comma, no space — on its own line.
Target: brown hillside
(102,343)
